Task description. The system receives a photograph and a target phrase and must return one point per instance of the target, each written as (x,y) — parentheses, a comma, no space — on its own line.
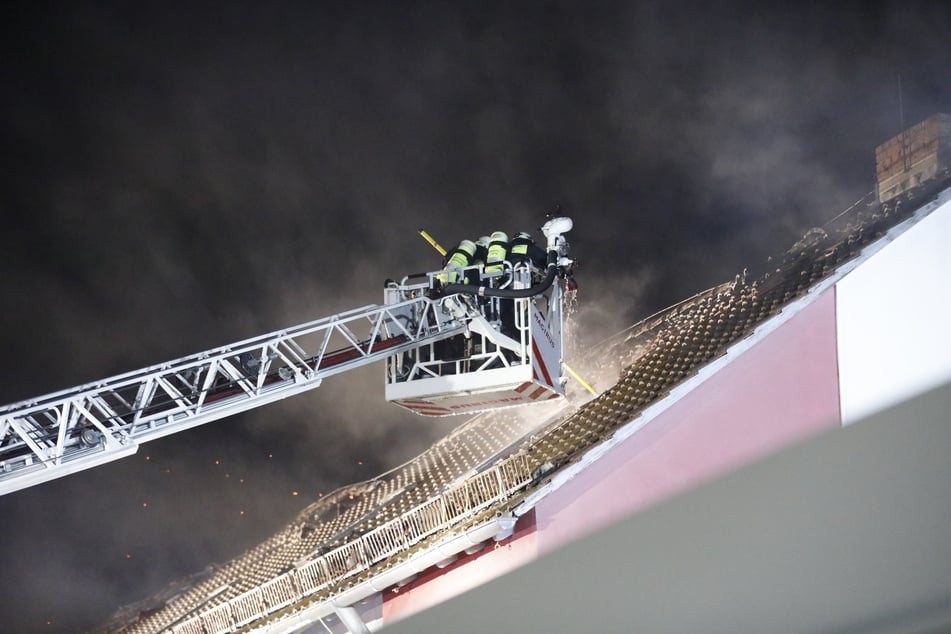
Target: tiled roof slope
(657,354)
(686,340)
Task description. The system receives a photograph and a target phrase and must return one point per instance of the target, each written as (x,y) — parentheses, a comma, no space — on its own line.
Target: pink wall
(782,389)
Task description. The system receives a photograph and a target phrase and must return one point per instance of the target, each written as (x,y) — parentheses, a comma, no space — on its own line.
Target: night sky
(177,177)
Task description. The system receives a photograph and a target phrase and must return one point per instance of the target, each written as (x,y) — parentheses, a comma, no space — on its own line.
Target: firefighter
(459,258)
(522,248)
(497,249)
(463,255)
(482,251)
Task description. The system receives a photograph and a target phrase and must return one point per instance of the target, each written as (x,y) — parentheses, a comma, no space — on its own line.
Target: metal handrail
(371,548)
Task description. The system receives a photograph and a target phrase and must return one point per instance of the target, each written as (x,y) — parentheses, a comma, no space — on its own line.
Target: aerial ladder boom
(454,349)
(61,433)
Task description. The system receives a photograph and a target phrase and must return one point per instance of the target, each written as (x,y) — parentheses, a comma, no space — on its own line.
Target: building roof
(495,464)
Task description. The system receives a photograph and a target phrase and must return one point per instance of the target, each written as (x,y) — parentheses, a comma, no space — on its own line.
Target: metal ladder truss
(53,435)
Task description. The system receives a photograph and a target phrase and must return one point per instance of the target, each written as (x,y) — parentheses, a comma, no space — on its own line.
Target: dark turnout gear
(522,248)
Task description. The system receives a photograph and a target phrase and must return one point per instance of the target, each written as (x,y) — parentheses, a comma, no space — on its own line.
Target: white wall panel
(894,319)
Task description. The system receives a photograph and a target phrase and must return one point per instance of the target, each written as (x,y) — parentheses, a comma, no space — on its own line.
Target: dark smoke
(180,177)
